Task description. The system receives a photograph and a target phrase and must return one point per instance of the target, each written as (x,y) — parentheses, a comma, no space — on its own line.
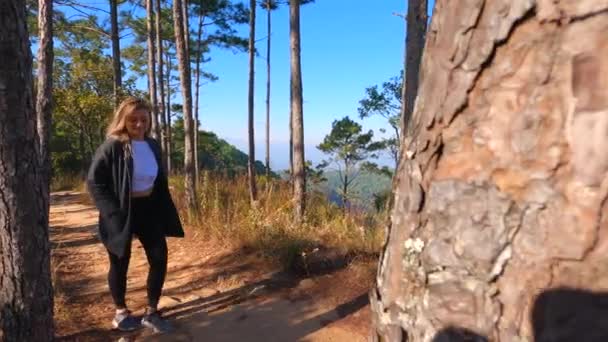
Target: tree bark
(417,18)
(26,292)
(345,206)
(186,85)
(251,164)
(186,28)
(115,50)
(152,67)
(194,119)
(498,228)
(269,26)
(161,86)
(299,177)
(291,148)
(44,97)
(197,85)
(196,148)
(168,108)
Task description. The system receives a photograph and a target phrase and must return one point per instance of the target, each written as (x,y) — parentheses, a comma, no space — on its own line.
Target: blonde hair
(117,128)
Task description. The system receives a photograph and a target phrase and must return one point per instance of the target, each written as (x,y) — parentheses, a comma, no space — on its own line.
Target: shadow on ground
(69,197)
(73,237)
(260,311)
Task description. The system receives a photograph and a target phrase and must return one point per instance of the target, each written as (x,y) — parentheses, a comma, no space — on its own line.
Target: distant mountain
(215,154)
(362,190)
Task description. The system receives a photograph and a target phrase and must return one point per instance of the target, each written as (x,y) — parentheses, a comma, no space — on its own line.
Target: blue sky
(346,47)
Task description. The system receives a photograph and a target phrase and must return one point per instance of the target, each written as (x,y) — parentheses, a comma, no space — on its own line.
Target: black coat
(109,183)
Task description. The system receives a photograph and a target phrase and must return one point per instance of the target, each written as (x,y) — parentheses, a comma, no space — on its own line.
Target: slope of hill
(218,155)
(362,191)
(215,153)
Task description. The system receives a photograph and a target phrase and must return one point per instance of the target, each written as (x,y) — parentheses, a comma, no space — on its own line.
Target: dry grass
(62,312)
(226,214)
(64,182)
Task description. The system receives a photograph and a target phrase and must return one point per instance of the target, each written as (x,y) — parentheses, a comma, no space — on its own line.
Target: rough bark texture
(152,67)
(251,161)
(299,177)
(498,228)
(184,75)
(417,18)
(26,295)
(115,50)
(161,86)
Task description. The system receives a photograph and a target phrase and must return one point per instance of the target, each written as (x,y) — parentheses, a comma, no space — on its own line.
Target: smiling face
(137,123)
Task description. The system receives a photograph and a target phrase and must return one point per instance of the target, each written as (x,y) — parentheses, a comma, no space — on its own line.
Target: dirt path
(212,292)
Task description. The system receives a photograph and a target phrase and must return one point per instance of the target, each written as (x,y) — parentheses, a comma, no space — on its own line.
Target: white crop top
(145,167)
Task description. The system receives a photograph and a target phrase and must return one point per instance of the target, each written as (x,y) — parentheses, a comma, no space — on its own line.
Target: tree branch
(101,32)
(74,6)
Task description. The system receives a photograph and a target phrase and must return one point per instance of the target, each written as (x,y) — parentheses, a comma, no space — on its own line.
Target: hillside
(215,153)
(364,189)
(218,155)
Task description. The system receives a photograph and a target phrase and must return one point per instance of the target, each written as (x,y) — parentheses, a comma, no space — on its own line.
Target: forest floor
(212,292)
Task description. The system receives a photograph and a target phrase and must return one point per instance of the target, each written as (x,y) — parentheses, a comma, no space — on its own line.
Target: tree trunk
(345,191)
(169,148)
(197,86)
(269,20)
(299,177)
(26,291)
(417,18)
(291,148)
(186,85)
(502,191)
(169,132)
(196,148)
(45,91)
(251,164)
(394,150)
(161,86)
(194,119)
(152,67)
(115,50)
(186,28)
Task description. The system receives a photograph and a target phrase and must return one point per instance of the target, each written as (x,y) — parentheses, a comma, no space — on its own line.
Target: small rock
(192,298)
(207,292)
(306,284)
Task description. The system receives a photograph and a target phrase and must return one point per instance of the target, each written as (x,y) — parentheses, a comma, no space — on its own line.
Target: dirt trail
(212,292)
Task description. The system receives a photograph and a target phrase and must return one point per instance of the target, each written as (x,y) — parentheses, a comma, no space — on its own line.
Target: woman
(130,189)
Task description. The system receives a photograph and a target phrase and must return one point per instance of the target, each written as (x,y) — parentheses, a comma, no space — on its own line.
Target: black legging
(145,226)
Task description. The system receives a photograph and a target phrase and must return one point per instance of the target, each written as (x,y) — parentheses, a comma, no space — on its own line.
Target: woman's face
(137,123)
